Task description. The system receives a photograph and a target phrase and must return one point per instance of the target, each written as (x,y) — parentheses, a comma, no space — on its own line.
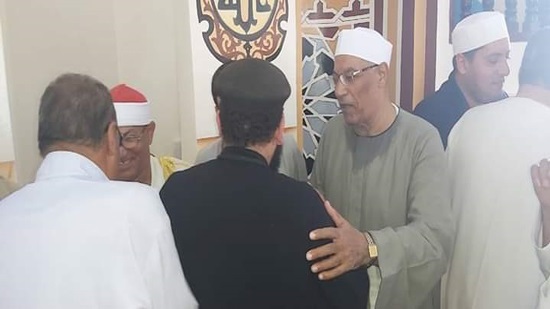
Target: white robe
(157,174)
(497,260)
(163,167)
(74,239)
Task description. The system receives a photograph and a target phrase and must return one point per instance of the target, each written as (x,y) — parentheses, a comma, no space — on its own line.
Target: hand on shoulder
(348,249)
(540,175)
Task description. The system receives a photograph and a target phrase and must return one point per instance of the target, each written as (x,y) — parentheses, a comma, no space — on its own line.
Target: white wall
(204,65)
(147,52)
(186,83)
(144,43)
(43,39)
(139,42)
(445,52)
(6,136)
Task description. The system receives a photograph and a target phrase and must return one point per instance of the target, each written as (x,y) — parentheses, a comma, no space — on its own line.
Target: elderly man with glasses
(383,169)
(136,127)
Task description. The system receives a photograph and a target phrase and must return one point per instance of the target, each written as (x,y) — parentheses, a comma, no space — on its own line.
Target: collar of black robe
(454,92)
(242,154)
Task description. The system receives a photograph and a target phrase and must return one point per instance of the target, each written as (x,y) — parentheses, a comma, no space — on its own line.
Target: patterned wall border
(320,24)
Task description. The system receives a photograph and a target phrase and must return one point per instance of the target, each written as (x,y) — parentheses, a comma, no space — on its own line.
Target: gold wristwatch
(373,249)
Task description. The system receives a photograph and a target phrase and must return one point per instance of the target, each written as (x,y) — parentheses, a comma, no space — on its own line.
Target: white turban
(364,43)
(478,30)
(131,106)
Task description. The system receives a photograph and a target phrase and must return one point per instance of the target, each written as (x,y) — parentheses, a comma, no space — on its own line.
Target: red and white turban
(132,108)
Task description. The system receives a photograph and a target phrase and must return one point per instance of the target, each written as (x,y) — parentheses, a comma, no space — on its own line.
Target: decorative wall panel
(223,30)
(320,23)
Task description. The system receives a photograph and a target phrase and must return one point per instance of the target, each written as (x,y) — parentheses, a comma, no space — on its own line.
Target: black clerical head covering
(215,84)
(252,93)
(253,83)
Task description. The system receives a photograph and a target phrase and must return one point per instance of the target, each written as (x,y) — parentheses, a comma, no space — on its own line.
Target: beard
(276,159)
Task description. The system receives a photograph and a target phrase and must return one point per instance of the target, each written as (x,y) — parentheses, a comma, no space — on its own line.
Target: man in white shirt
(499,259)
(75,239)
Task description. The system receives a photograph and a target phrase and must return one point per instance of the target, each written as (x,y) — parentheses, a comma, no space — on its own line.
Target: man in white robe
(75,239)
(499,260)
(137,128)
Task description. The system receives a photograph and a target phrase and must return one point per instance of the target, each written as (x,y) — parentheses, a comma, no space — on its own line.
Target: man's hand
(540,174)
(348,249)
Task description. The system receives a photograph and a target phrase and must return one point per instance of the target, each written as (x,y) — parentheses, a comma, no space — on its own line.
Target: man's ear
(383,74)
(151,131)
(461,63)
(280,132)
(112,149)
(113,139)
(218,122)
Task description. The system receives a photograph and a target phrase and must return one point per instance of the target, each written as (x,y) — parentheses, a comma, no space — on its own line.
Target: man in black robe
(242,229)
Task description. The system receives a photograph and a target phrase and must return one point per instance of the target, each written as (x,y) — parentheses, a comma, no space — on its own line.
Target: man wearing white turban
(481,47)
(499,258)
(384,171)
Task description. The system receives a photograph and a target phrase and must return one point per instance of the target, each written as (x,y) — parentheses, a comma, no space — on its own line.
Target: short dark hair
(468,55)
(247,128)
(535,66)
(215,85)
(76,109)
(252,94)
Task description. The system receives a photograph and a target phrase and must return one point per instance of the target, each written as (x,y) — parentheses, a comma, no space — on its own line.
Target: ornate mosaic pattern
(321,24)
(240,29)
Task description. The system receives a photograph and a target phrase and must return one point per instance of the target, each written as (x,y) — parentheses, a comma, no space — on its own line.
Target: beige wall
(148,44)
(185,82)
(41,40)
(140,42)
(204,64)
(6,136)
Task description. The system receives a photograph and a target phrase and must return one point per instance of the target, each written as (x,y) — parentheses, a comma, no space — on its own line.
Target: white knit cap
(478,30)
(364,43)
(132,108)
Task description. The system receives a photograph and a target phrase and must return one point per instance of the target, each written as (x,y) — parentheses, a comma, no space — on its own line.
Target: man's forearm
(545,225)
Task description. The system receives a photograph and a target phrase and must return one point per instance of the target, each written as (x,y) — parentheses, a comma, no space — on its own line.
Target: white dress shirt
(75,239)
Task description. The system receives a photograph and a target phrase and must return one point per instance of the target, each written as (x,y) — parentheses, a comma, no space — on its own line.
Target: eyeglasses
(131,140)
(348,77)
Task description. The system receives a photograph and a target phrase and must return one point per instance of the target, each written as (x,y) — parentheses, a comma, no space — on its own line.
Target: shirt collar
(61,164)
(455,91)
(242,154)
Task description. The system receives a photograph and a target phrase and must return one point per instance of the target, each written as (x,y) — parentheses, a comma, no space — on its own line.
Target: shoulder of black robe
(443,108)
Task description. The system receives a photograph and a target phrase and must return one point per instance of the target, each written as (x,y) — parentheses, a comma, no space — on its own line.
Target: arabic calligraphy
(244,28)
